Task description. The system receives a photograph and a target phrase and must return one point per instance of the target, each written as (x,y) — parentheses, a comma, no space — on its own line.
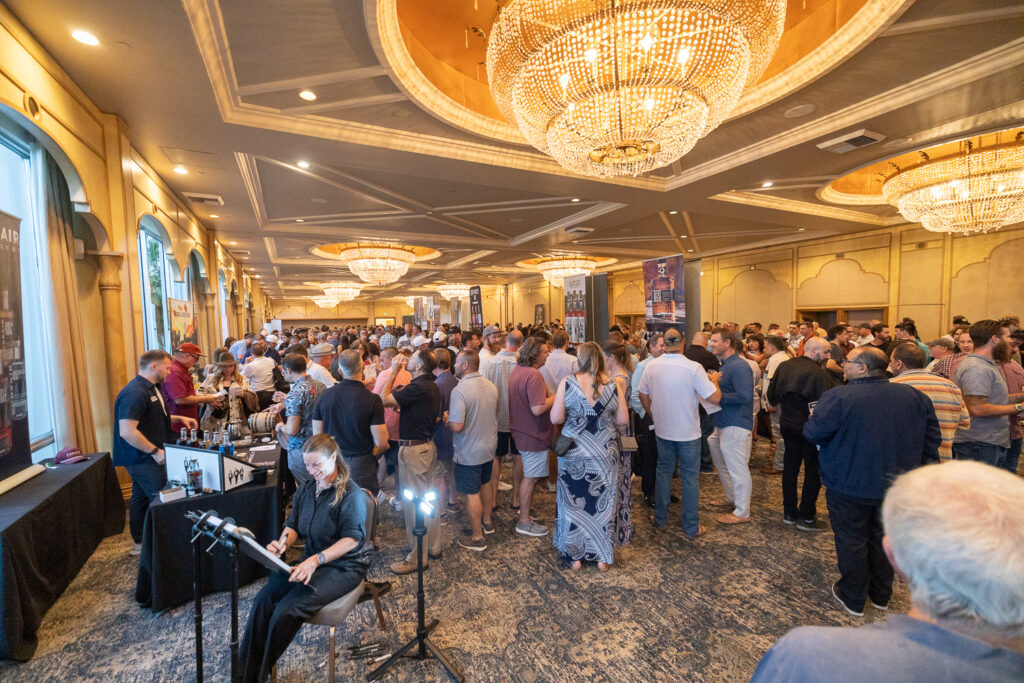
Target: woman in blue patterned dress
(620,366)
(590,404)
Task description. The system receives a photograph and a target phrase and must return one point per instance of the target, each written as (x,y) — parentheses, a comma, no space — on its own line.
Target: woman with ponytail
(590,403)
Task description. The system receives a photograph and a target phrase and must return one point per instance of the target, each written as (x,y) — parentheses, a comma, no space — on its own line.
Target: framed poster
(664,289)
(184,323)
(15,450)
(575,289)
(538,315)
(476,308)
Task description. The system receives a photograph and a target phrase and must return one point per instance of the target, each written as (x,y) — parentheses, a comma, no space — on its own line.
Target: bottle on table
(193,441)
(183,440)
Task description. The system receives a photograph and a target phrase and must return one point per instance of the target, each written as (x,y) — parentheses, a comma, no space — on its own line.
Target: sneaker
(845,606)
(396,503)
(503,486)
(435,556)
(405,567)
(488,529)
(382,497)
(531,529)
(470,543)
(443,519)
(136,550)
(879,607)
(811,525)
(789,519)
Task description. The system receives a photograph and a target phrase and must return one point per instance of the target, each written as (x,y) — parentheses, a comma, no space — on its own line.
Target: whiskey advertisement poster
(476,308)
(663,293)
(184,323)
(15,454)
(575,289)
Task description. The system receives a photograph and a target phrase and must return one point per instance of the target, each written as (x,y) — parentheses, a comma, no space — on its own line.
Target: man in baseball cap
(321,356)
(178,389)
(420,342)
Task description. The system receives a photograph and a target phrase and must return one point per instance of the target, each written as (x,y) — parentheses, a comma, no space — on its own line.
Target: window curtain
(73,423)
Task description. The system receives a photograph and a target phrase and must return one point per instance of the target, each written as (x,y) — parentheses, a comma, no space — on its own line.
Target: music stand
(423,505)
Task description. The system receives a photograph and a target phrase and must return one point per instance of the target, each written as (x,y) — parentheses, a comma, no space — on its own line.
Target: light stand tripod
(423,505)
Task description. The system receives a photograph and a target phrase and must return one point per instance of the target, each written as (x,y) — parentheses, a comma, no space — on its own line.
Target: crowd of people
(391,409)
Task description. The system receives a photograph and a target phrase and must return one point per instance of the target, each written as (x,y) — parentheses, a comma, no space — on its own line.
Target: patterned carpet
(669,608)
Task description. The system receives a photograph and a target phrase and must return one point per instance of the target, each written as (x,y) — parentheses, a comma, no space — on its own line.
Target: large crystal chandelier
(342,291)
(379,264)
(621,87)
(555,270)
(453,291)
(324,301)
(974,190)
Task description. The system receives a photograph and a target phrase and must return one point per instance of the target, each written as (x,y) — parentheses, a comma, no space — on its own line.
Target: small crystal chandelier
(410,301)
(621,87)
(378,264)
(555,270)
(975,190)
(453,291)
(342,291)
(324,301)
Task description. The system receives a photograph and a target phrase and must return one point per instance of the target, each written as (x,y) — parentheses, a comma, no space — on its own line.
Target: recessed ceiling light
(574,200)
(85,37)
(299,220)
(689,250)
(234,244)
(302,163)
(767,183)
(801,229)
(307,95)
(181,170)
(673,212)
(213,215)
(798,111)
(256,276)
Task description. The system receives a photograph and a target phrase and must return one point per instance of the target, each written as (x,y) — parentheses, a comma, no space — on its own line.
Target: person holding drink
(225,381)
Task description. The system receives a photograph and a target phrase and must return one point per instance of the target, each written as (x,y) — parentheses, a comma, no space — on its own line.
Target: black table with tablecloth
(49,526)
(165,577)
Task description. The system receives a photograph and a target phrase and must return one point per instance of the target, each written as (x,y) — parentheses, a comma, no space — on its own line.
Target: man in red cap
(178,389)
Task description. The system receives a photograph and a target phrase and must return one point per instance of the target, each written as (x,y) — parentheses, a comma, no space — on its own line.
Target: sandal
(700,532)
(721,503)
(732,519)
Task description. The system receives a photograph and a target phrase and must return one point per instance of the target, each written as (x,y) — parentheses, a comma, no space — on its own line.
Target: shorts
(469,478)
(506,445)
(535,464)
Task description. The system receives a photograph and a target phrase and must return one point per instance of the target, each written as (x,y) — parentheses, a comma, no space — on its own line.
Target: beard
(1002,352)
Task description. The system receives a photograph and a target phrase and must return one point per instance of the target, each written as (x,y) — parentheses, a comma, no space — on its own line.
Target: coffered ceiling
(394,151)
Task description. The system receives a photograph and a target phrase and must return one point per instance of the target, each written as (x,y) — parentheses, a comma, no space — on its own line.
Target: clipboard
(248,545)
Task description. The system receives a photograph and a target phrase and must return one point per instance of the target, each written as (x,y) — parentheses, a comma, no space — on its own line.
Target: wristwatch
(321,559)
(1019,407)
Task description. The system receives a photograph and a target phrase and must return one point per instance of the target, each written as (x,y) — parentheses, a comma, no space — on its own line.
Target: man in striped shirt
(907,363)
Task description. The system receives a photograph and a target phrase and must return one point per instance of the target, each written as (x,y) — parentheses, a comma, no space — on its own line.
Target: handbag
(563,443)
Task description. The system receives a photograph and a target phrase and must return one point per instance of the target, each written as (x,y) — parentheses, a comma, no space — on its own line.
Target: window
(25,371)
(153,276)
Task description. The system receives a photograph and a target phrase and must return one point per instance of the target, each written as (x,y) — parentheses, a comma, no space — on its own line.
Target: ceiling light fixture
(181,170)
(767,183)
(673,212)
(555,270)
(342,291)
(234,244)
(977,189)
(453,291)
(613,88)
(324,301)
(300,220)
(85,38)
(379,264)
(307,95)
(213,215)
(302,163)
(574,200)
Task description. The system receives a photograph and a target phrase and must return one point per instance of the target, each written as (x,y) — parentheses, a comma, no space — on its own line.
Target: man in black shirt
(420,405)
(143,426)
(698,353)
(354,416)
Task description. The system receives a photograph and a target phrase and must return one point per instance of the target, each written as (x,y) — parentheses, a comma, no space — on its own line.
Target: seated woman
(242,401)
(329,512)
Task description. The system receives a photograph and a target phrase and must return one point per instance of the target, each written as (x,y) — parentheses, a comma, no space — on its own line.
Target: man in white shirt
(670,392)
(559,364)
(490,346)
(645,435)
(498,371)
(321,356)
(259,370)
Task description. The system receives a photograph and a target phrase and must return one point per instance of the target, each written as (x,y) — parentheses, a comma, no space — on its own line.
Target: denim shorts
(469,478)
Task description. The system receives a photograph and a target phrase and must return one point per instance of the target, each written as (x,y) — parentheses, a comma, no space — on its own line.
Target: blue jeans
(148,479)
(1013,455)
(687,454)
(988,453)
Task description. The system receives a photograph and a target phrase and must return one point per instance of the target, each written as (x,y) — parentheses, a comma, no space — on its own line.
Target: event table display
(49,526)
(165,574)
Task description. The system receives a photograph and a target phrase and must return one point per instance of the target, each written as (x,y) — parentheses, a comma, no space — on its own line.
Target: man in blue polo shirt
(734,425)
(143,425)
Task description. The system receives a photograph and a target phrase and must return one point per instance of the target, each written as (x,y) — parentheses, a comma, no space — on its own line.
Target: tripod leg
(379,671)
(444,661)
(197,568)
(235,674)
(330,658)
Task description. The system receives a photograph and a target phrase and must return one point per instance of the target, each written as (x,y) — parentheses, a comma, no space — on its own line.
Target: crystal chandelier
(453,291)
(974,190)
(324,301)
(621,87)
(342,291)
(410,301)
(379,264)
(555,270)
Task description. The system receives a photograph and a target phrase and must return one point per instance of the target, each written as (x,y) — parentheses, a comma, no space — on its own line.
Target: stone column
(208,301)
(113,324)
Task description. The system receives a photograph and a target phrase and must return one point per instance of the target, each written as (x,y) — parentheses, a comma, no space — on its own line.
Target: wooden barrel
(263,423)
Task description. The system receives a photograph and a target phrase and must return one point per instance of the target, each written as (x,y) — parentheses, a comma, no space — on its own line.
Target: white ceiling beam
(338,105)
(955,20)
(304,82)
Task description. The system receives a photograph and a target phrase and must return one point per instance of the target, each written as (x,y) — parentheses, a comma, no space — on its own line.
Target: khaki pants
(417,468)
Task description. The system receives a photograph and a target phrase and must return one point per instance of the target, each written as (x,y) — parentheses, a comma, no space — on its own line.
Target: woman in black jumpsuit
(329,512)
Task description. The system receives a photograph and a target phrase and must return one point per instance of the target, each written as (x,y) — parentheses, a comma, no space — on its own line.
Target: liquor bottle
(193,441)
(214,444)
(183,439)
(663,293)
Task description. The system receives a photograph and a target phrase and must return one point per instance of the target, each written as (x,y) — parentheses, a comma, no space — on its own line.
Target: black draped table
(49,526)
(165,565)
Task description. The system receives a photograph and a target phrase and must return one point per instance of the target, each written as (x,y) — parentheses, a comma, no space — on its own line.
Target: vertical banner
(456,312)
(575,289)
(184,323)
(476,309)
(538,315)
(417,310)
(427,313)
(15,453)
(664,293)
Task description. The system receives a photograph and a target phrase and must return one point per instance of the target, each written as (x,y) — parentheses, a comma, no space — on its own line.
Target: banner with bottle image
(575,289)
(184,322)
(476,308)
(15,452)
(663,293)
